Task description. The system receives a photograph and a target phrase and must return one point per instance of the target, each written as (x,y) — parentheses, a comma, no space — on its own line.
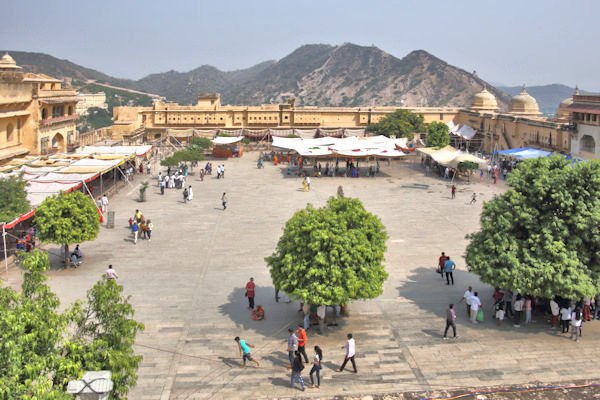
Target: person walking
(350,347)
(316,368)
(292,345)
(518,308)
(441,261)
(224,201)
(527,310)
(555,312)
(508,297)
(576,322)
(308,182)
(302,338)
(185,195)
(475,306)
(565,318)
(453,191)
(473,199)
(449,266)
(149,227)
(450,321)
(467,299)
(162,186)
(587,307)
(245,352)
(135,229)
(110,273)
(190,193)
(250,293)
(297,367)
(104,201)
(223,171)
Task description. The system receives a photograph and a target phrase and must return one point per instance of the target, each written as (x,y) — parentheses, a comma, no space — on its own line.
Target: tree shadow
(429,293)
(279,316)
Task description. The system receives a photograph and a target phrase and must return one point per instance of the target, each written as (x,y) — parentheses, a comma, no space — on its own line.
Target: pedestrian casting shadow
(283,382)
(429,293)
(279,358)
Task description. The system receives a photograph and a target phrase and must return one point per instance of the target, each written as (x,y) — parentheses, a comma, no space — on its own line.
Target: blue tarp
(525,153)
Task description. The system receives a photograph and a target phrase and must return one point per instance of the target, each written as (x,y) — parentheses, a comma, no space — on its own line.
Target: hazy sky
(509,42)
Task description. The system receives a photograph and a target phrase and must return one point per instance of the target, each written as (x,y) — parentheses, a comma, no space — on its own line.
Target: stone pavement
(187,288)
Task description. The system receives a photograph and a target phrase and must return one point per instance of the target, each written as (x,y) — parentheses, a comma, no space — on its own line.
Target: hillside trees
(330,255)
(542,236)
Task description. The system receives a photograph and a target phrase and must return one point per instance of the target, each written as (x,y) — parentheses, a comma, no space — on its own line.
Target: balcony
(56,120)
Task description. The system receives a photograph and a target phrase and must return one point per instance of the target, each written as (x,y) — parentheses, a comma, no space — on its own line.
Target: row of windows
(221,118)
(57,111)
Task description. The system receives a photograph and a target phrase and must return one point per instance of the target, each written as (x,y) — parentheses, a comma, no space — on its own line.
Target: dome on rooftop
(561,112)
(524,104)
(8,63)
(484,101)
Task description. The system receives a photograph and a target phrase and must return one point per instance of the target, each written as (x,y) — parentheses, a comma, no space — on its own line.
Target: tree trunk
(66,255)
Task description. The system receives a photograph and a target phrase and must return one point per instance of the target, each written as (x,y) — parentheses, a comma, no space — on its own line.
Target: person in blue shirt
(449,266)
(245,351)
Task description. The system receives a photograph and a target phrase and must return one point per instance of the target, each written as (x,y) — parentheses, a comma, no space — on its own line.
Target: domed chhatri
(524,104)
(484,101)
(7,63)
(562,112)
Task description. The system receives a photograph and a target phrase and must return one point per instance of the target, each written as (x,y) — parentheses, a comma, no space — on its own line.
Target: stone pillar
(95,385)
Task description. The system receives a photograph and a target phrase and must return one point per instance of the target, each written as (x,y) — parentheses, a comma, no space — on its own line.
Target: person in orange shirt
(301,333)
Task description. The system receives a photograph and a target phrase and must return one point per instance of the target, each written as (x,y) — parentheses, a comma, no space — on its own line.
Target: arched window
(44,113)
(588,144)
(10,133)
(537,137)
(550,139)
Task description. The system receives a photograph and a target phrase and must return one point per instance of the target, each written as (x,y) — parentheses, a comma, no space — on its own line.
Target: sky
(507,42)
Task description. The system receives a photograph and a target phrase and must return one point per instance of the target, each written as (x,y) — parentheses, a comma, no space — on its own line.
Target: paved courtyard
(187,288)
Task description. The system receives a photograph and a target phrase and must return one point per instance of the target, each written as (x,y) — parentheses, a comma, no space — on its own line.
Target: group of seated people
(76,257)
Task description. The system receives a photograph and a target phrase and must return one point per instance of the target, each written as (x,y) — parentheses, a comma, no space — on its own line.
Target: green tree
(331,255)
(41,349)
(68,218)
(437,134)
(171,161)
(542,236)
(13,198)
(199,144)
(400,123)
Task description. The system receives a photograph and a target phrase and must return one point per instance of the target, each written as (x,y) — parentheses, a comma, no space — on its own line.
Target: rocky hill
(346,75)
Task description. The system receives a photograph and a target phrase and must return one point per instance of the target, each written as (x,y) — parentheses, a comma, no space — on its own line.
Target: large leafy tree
(331,255)
(400,123)
(437,134)
(542,237)
(68,218)
(41,348)
(13,198)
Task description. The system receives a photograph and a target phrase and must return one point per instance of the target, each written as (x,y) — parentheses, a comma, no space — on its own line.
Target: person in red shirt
(301,333)
(453,191)
(250,293)
(441,263)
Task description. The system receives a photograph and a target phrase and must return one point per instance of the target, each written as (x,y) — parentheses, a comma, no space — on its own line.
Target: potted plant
(143,188)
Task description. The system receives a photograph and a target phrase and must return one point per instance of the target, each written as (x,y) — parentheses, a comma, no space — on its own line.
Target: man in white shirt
(308,182)
(223,171)
(350,353)
(475,306)
(104,201)
(467,299)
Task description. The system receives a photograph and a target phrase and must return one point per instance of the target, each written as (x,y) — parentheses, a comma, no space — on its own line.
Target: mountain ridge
(315,74)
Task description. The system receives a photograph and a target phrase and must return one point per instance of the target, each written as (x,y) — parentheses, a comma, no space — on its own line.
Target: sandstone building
(37,115)
(90,100)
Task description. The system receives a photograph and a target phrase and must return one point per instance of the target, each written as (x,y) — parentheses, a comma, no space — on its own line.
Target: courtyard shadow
(279,316)
(429,293)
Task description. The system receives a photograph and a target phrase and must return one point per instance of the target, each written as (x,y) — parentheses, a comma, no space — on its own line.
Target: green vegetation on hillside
(99,118)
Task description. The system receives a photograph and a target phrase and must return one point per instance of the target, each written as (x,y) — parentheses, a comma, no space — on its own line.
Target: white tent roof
(126,150)
(378,146)
(227,139)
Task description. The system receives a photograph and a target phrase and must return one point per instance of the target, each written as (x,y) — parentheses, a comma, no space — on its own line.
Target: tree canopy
(41,348)
(331,255)
(67,218)
(542,236)
(400,123)
(437,134)
(13,198)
